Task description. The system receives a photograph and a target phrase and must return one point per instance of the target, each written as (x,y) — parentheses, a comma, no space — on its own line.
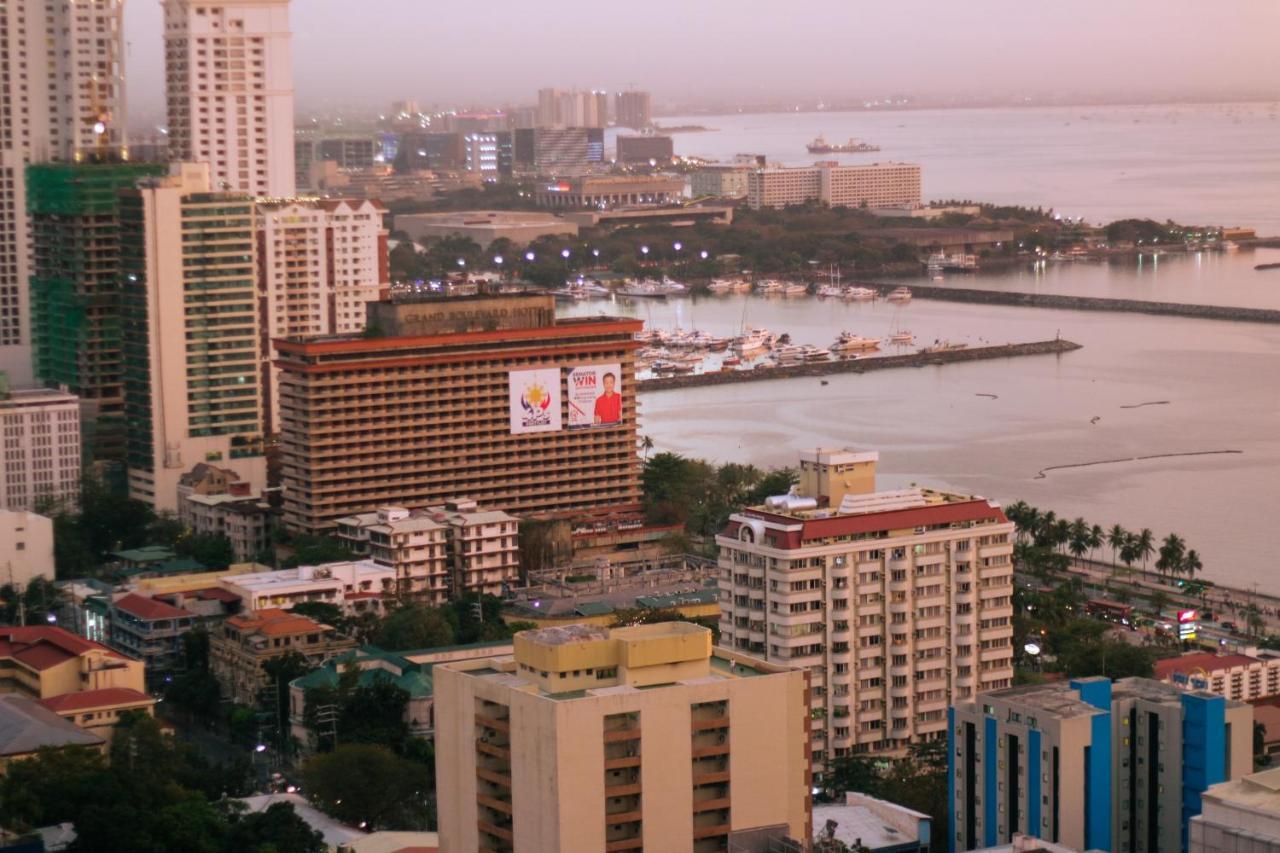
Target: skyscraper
(61,70)
(229,88)
(632,109)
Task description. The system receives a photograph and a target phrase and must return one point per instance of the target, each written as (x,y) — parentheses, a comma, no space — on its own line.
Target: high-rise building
(633,109)
(319,263)
(899,602)
(559,108)
(548,108)
(645,737)
(61,75)
(229,88)
(75,290)
(41,459)
(192,372)
(559,151)
(490,398)
(872,185)
(720,180)
(645,149)
(1090,764)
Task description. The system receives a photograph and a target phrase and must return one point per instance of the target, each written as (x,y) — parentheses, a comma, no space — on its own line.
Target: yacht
(849,342)
(901,294)
(831,290)
(859,294)
(809,352)
(789,354)
(902,336)
(768,286)
(643,290)
(1230,245)
(944,346)
(794,289)
(753,341)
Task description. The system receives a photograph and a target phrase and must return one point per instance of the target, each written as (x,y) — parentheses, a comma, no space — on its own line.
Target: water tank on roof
(792,501)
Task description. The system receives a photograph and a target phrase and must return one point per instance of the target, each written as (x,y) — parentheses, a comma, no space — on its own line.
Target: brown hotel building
(418,413)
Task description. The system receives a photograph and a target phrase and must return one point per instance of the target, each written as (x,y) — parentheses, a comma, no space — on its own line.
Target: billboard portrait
(534,400)
(595,395)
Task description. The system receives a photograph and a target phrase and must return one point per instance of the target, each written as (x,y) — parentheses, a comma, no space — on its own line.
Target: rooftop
(481,218)
(272,621)
(44,646)
(874,823)
(1058,698)
(1199,663)
(102,698)
(148,608)
(1259,791)
(26,726)
(348,571)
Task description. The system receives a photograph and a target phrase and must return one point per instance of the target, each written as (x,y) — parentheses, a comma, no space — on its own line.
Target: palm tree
(1191,564)
(1061,533)
(1096,537)
(646,444)
(1044,529)
(1146,545)
(1116,538)
(1017,513)
(1079,540)
(1172,554)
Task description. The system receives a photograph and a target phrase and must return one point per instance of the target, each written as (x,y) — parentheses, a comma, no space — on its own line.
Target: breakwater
(857,365)
(1092,303)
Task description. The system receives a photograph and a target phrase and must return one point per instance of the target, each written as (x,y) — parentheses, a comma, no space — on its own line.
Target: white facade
(341,584)
(40,451)
(320,261)
(873,185)
(1241,816)
(26,547)
(61,74)
(229,87)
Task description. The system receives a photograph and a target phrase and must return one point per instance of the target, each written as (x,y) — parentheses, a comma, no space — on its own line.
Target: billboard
(534,400)
(595,395)
(1187,624)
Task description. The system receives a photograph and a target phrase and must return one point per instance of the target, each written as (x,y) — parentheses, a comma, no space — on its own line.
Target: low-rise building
(26,727)
(1242,677)
(239,653)
(720,180)
(1090,764)
(865,823)
(245,522)
(606,191)
(835,185)
(1240,816)
(484,226)
(591,739)
(149,630)
(355,587)
(98,711)
(26,547)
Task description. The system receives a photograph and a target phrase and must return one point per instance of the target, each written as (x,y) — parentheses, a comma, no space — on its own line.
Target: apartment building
(61,80)
(1241,677)
(229,92)
(358,586)
(645,737)
(248,641)
(40,454)
(557,108)
(319,263)
(245,521)
(188,258)
(439,553)
(898,603)
(872,185)
(26,547)
(1091,764)
(609,191)
(150,630)
(633,109)
(461,398)
(720,180)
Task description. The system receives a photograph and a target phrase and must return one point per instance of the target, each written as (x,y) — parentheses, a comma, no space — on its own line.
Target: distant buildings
(485,226)
(489,398)
(557,151)
(229,88)
(1240,816)
(1242,677)
(898,602)
(645,149)
(874,185)
(26,547)
(558,108)
(609,191)
(248,641)
(633,109)
(653,739)
(1090,764)
(41,458)
(354,587)
(720,180)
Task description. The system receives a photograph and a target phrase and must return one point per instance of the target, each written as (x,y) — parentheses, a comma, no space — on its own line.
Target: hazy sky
(368,52)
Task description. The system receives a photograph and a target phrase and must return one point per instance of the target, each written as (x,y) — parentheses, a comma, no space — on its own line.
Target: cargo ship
(853,146)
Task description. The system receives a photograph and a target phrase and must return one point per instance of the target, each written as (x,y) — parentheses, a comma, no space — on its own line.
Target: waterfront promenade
(859,365)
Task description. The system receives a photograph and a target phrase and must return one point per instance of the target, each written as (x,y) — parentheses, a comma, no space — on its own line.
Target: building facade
(440,553)
(609,191)
(246,521)
(720,180)
(646,149)
(150,630)
(248,641)
(229,91)
(40,462)
(1242,677)
(1090,764)
(26,547)
(645,737)
(463,398)
(557,150)
(873,185)
(633,109)
(354,587)
(319,263)
(898,602)
(1241,816)
(189,262)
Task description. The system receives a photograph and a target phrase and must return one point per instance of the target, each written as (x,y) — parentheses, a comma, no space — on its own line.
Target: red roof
(214,593)
(812,529)
(148,608)
(1203,661)
(43,646)
(96,699)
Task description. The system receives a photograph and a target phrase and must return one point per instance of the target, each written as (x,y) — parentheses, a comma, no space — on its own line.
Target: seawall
(858,365)
(1092,303)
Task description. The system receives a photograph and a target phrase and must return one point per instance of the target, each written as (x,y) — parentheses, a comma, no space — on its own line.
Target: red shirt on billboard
(609,403)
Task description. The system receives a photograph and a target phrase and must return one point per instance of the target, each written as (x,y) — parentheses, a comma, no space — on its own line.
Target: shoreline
(858,365)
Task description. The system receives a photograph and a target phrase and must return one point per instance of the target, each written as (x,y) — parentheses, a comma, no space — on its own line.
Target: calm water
(1211,164)
(931,427)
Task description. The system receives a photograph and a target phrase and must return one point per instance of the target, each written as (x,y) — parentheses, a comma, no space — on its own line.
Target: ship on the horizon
(853,146)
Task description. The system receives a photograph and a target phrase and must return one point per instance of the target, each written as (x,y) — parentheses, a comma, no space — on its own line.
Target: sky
(365,53)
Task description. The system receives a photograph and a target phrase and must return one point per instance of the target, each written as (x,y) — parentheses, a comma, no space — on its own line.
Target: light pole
(497,261)
(644,252)
(564,253)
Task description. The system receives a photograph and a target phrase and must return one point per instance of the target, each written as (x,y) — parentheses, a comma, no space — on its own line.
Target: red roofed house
(82,681)
(239,652)
(1244,678)
(899,603)
(150,630)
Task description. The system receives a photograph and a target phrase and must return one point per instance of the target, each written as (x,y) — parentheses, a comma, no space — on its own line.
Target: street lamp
(564,253)
(677,246)
(528,256)
(703,254)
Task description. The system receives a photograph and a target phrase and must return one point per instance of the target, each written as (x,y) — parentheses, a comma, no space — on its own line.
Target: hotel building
(192,373)
(441,553)
(898,602)
(1090,764)
(460,398)
(41,451)
(646,737)
(872,185)
(229,88)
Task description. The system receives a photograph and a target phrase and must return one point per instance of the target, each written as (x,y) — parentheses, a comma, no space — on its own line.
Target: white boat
(849,342)
(902,294)
(643,290)
(944,346)
(1230,245)
(859,294)
(831,290)
(789,354)
(902,336)
(769,286)
(812,353)
(794,289)
(754,341)
(729,285)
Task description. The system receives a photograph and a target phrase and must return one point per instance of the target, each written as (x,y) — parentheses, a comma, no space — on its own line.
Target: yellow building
(590,739)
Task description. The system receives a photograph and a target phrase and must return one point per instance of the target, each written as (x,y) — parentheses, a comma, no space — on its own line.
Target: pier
(858,365)
(1092,303)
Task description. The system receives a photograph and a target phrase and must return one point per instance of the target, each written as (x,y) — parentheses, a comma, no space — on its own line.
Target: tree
(315,550)
(1146,545)
(1117,537)
(281,671)
(278,829)
(1172,555)
(415,626)
(321,611)
(1096,537)
(1191,564)
(369,786)
(1078,542)
(209,549)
